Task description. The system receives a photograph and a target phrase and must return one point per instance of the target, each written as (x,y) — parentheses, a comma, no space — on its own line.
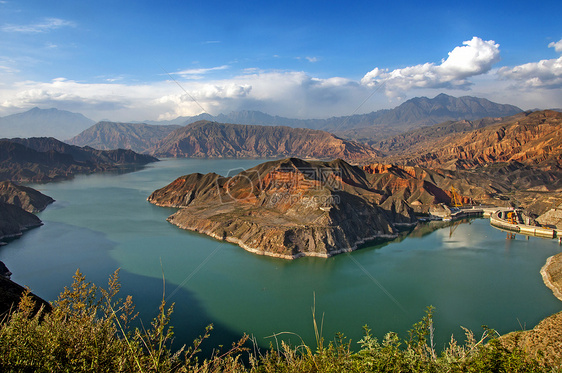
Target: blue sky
(136,60)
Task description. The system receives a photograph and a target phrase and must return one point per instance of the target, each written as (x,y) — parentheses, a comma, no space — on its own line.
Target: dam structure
(513,221)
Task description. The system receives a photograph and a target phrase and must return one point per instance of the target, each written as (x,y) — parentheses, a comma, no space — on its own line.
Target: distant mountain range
(219,140)
(36,122)
(418,111)
(414,113)
(369,128)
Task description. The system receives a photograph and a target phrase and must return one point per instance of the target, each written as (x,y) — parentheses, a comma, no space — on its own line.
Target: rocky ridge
(513,161)
(291,208)
(206,139)
(17,205)
(14,221)
(367,128)
(42,159)
(23,197)
(138,137)
(420,112)
(372,127)
(533,139)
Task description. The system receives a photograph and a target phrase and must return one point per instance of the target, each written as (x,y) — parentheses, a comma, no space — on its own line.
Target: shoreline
(551,274)
(257,251)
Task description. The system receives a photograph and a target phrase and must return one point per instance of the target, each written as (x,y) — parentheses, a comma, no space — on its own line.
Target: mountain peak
(37,122)
(214,139)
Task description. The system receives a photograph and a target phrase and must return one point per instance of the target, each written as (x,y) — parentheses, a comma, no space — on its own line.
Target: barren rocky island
(288,208)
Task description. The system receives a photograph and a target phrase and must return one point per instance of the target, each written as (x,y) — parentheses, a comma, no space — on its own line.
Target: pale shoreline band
(552,274)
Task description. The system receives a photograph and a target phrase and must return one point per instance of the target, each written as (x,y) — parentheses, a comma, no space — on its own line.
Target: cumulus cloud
(557,46)
(47,25)
(475,57)
(543,74)
(206,97)
(286,93)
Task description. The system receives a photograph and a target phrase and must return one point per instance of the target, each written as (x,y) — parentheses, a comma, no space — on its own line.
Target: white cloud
(97,101)
(557,46)
(199,72)
(47,25)
(294,94)
(543,74)
(205,97)
(8,69)
(312,59)
(287,93)
(475,57)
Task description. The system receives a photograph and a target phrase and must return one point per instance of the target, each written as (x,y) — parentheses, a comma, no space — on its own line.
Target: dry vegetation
(88,330)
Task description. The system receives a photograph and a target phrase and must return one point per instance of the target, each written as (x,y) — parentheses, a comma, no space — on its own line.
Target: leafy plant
(89,330)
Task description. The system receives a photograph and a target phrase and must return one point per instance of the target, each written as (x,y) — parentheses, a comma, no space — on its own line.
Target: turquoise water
(470,272)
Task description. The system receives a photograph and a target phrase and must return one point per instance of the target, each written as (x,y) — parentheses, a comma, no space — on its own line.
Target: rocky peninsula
(42,159)
(17,207)
(292,208)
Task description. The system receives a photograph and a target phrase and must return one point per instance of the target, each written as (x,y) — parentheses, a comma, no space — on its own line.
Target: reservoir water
(469,272)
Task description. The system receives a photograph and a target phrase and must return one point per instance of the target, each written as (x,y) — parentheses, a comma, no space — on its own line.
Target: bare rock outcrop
(17,205)
(552,218)
(534,139)
(205,139)
(42,159)
(24,197)
(14,220)
(287,208)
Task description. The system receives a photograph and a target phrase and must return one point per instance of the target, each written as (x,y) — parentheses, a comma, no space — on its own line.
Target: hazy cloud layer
(543,74)
(46,25)
(294,94)
(475,57)
(198,73)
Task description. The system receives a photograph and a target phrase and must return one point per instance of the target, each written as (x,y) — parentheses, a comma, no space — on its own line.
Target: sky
(126,60)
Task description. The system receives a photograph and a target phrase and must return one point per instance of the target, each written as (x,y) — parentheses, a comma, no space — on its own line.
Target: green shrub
(88,330)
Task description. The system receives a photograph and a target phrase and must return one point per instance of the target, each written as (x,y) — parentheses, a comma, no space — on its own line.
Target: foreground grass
(89,330)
